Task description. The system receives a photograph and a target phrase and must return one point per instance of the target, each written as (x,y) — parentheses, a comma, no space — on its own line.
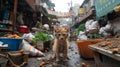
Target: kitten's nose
(62,38)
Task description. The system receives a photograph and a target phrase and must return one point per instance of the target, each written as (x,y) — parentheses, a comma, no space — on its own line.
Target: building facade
(85,11)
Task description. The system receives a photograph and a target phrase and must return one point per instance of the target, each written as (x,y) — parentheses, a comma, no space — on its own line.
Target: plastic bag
(82,36)
(28,37)
(94,25)
(103,32)
(33,51)
(108,27)
(87,24)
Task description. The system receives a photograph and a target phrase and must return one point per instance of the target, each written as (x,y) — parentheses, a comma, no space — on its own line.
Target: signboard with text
(105,6)
(81,11)
(60,14)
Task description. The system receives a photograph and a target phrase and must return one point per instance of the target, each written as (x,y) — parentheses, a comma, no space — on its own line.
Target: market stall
(11,12)
(8,16)
(106,53)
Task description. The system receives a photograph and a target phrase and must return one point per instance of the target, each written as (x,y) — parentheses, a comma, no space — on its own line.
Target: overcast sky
(64,5)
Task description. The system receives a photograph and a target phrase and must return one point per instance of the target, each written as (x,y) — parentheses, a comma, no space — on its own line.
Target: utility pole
(71,9)
(71,3)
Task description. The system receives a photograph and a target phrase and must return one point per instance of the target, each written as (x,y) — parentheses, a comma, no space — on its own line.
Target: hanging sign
(81,11)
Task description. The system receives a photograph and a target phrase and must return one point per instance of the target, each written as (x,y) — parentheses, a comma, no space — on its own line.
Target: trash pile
(91,27)
(13,46)
(93,30)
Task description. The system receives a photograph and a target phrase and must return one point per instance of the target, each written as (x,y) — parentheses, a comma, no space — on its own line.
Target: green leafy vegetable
(80,28)
(42,36)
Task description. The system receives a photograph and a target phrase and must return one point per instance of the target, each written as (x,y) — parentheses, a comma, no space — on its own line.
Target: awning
(103,7)
(44,11)
(86,16)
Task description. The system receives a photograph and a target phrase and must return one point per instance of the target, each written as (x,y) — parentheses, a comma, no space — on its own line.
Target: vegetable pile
(41,36)
(11,36)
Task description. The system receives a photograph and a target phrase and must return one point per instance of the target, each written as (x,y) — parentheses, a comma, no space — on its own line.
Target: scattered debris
(85,65)
(42,64)
(21,51)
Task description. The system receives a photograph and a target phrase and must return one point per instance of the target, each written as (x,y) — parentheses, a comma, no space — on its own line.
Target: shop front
(106,53)
(106,11)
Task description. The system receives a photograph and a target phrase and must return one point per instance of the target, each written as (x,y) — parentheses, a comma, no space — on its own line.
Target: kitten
(61,35)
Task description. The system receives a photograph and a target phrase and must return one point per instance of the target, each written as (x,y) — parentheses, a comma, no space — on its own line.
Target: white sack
(102,31)
(33,51)
(94,25)
(87,24)
(108,27)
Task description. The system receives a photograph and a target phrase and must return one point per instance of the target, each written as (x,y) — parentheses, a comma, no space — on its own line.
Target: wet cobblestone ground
(75,60)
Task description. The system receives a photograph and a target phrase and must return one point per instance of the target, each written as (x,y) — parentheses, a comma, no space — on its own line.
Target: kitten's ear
(67,28)
(55,28)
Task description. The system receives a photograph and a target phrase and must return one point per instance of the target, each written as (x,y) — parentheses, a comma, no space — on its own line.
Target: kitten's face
(61,33)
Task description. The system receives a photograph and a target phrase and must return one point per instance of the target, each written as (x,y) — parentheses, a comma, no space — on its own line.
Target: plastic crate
(13,43)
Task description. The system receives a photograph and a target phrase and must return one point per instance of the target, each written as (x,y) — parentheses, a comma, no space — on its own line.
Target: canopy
(103,7)
(44,11)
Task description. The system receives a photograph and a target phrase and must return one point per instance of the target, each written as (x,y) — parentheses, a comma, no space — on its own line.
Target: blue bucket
(13,43)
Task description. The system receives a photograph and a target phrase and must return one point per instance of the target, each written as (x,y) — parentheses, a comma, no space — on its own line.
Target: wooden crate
(16,57)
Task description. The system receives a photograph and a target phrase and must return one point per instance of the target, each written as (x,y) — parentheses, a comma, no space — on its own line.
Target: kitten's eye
(63,34)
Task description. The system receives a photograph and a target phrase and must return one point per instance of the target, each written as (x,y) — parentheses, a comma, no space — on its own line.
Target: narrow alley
(75,60)
(35,33)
